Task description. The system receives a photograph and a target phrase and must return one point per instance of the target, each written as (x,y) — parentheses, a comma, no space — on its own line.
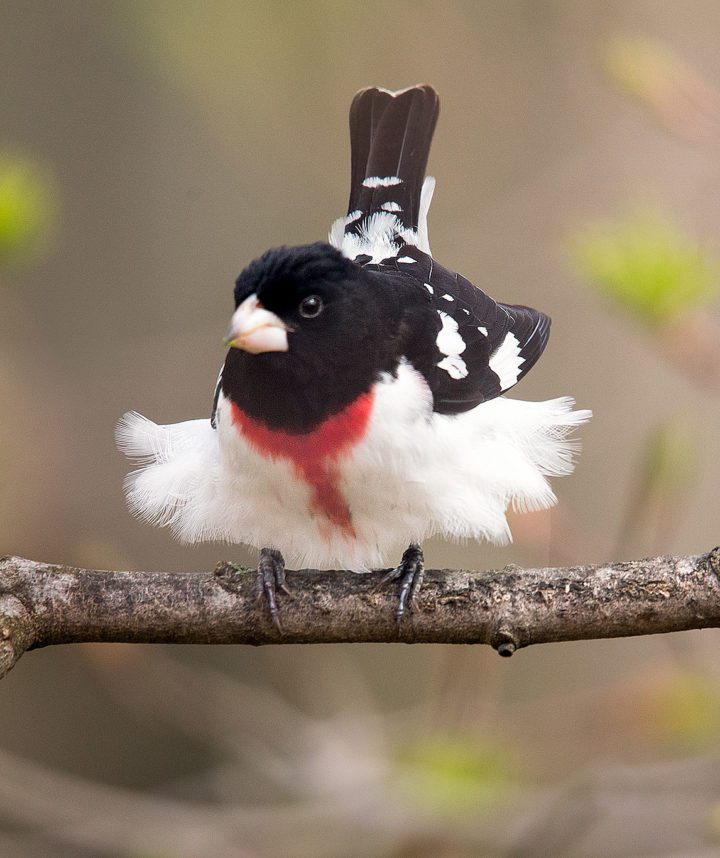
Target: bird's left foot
(271,580)
(410,573)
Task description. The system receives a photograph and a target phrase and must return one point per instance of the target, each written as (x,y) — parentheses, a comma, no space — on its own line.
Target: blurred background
(148,150)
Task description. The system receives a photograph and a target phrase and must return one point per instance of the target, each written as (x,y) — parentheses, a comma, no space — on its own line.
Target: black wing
(477,348)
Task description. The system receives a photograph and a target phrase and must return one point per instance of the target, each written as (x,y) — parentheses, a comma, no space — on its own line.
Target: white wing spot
(452,345)
(466,311)
(454,366)
(448,297)
(381,181)
(406,259)
(506,361)
(483,330)
(391,207)
(430,288)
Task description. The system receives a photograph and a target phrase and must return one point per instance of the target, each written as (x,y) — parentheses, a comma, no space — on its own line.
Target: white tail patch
(381,181)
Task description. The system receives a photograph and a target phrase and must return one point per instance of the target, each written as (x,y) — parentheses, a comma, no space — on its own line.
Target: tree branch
(43,604)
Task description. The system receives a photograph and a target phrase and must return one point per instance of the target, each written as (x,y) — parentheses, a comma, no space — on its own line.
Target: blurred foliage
(671,460)
(683,101)
(642,66)
(667,469)
(454,776)
(231,85)
(28,207)
(715,823)
(683,711)
(647,265)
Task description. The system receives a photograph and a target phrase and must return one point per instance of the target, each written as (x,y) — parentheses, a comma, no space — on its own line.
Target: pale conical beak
(256,330)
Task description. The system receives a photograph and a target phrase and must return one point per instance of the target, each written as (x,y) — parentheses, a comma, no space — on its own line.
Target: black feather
(482,322)
(366,110)
(390,136)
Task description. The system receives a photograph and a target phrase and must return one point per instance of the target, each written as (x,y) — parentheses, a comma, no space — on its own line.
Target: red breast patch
(315,455)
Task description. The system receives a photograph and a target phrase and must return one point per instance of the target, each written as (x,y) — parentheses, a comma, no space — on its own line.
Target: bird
(361,406)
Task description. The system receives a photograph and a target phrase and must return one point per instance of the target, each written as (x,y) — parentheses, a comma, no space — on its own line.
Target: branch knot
(504,642)
(713,561)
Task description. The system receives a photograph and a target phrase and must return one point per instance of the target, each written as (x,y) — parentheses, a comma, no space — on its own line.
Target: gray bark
(43,604)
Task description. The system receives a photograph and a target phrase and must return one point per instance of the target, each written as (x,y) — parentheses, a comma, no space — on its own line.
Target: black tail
(390,136)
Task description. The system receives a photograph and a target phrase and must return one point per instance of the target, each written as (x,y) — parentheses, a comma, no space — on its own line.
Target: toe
(270,579)
(410,574)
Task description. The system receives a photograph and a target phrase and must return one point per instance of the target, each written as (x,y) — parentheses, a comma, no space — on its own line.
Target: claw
(410,573)
(270,580)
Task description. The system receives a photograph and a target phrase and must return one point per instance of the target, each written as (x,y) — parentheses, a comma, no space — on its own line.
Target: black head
(283,271)
(309,335)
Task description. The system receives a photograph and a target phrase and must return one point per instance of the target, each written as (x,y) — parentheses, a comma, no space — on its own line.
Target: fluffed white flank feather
(415,474)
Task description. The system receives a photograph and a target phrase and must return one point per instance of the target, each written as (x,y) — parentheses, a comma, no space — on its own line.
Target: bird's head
(292,296)
(312,330)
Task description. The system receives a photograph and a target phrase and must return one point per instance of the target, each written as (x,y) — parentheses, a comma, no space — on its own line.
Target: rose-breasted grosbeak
(360,404)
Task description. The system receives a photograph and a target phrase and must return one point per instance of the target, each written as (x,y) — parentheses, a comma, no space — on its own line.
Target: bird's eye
(311,306)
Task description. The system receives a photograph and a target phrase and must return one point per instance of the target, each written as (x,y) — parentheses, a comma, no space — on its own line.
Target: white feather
(454,366)
(382,234)
(414,475)
(426,195)
(337,229)
(452,345)
(506,361)
(381,181)
(448,340)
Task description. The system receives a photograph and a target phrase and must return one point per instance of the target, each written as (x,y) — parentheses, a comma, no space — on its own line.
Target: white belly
(414,474)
